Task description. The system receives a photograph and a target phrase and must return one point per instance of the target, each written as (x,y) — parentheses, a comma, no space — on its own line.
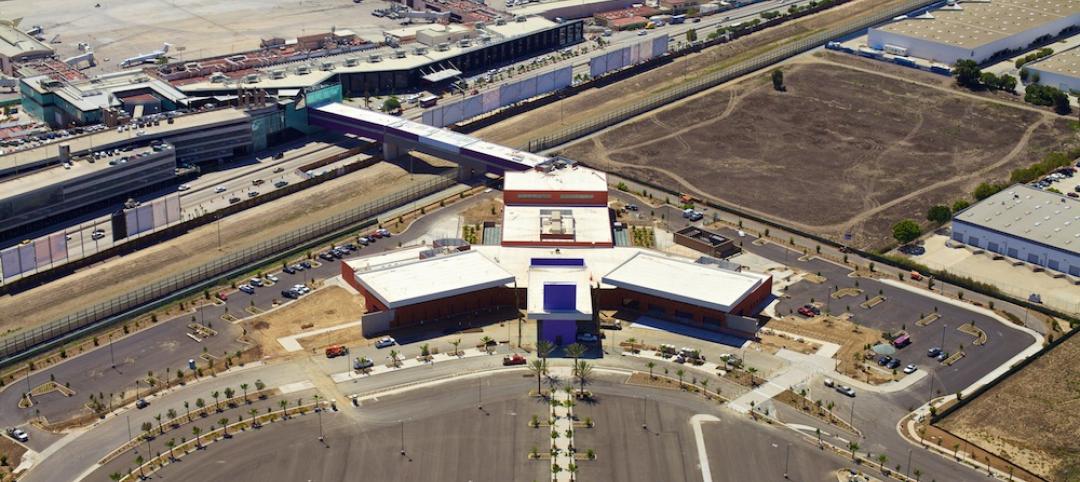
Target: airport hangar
(1027,224)
(975,30)
(1061,70)
(563,268)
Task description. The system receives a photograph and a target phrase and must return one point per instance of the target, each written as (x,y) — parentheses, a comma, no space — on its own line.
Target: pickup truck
(336,351)
(514,359)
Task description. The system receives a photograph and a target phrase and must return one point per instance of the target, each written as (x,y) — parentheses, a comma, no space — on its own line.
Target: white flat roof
(1028,213)
(539,277)
(589,224)
(574,178)
(404,283)
(684,281)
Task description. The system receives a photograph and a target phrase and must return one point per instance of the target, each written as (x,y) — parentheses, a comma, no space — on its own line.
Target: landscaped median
(144,468)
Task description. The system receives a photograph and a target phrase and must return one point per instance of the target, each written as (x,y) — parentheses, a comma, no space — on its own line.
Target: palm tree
(161,430)
(544,348)
(456,344)
(244,387)
(852,446)
(572,468)
(917,473)
(705,388)
(680,373)
(139,462)
(171,443)
(171,413)
(116,476)
(583,371)
(651,365)
(539,367)
(229,394)
(881,459)
(216,396)
(200,404)
(187,408)
(575,351)
(196,431)
(284,408)
(487,341)
(253,413)
(224,426)
(394,358)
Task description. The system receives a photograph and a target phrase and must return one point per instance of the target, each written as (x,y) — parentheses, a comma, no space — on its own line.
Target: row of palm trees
(582,370)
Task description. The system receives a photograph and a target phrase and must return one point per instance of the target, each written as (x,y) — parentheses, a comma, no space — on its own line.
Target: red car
(514,360)
(807,312)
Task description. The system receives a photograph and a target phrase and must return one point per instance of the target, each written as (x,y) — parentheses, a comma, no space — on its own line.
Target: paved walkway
(562,446)
(342,377)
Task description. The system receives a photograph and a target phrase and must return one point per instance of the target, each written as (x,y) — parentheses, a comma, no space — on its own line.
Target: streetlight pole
(112,355)
(318,410)
(644,413)
(28,389)
(129,426)
(402,438)
(908,472)
(851,420)
(480,393)
(787,458)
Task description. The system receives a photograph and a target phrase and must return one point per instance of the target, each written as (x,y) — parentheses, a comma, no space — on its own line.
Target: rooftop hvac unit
(420,50)
(251,78)
(277,74)
(519,19)
(303,70)
(352,62)
(327,66)
(218,78)
(500,21)
(399,54)
(375,58)
(465,42)
(443,47)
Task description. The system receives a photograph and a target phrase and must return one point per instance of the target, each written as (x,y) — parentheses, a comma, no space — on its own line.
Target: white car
(385,342)
(183,187)
(911,368)
(586,337)
(19,435)
(272,278)
(219,189)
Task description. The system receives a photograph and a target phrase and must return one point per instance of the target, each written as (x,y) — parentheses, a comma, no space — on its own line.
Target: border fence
(711,80)
(26,342)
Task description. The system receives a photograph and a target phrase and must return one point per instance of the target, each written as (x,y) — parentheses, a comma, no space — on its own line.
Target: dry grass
(327,307)
(852,339)
(1032,417)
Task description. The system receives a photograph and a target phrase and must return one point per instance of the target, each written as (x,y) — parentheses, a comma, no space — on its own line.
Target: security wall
(625,57)
(505,95)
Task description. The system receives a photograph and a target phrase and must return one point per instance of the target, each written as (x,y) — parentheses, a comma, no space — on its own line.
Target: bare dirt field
(329,306)
(852,339)
(1032,417)
(124,28)
(844,148)
(119,275)
(518,130)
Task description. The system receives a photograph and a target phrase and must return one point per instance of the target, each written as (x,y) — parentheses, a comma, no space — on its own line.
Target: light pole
(112,356)
(787,458)
(480,393)
(402,438)
(28,389)
(851,420)
(908,472)
(644,412)
(318,410)
(129,426)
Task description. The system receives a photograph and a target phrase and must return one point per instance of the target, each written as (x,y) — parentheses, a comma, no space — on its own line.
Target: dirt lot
(846,147)
(329,306)
(1031,418)
(841,332)
(120,275)
(518,130)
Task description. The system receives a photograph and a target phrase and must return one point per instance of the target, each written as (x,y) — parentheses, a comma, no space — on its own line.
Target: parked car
(220,189)
(272,278)
(97,234)
(306,264)
(326,256)
(846,390)
(289,269)
(893,364)
(247,289)
(933,352)
(632,207)
(514,359)
(829,382)
(183,187)
(234,200)
(586,337)
(255,282)
(806,312)
(362,363)
(942,356)
(363,240)
(142,403)
(884,360)
(253,193)
(385,342)
(281,184)
(18,434)
(334,351)
(383,232)
(911,368)
(290,294)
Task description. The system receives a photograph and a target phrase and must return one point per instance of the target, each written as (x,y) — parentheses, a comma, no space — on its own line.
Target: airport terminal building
(975,30)
(1026,224)
(562,283)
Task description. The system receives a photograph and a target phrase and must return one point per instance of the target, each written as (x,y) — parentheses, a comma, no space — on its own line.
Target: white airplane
(147,58)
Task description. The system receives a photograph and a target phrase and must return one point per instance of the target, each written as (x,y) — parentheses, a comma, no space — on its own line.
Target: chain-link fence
(20,342)
(716,78)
